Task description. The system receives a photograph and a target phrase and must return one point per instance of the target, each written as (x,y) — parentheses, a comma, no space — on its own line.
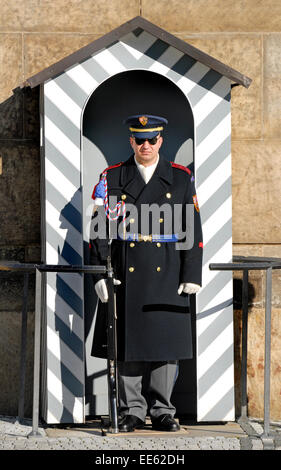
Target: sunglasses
(151,141)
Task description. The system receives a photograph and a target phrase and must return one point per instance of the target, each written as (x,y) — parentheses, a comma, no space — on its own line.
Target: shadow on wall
(19,236)
(237,306)
(237,294)
(19,115)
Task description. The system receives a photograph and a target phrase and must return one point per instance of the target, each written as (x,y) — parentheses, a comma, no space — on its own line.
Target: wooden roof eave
(114,35)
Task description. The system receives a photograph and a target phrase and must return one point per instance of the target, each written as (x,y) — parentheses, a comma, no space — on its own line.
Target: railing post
(267,353)
(244,401)
(37,341)
(23,348)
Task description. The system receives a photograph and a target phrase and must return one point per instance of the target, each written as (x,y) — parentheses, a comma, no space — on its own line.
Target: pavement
(95,436)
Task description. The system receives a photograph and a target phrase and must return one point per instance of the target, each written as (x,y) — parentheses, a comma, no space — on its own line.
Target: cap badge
(143,120)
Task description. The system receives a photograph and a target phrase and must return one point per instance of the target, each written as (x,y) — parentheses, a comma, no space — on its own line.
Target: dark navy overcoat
(153,321)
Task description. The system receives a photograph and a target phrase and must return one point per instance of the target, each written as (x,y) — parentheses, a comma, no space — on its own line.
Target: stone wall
(244,34)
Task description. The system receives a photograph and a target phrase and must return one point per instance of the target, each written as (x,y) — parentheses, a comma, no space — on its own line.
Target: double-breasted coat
(153,320)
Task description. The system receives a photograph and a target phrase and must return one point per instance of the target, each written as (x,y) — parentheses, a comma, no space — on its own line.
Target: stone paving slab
(94,427)
(93,437)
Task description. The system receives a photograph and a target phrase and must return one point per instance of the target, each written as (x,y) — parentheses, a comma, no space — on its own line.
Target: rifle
(111,348)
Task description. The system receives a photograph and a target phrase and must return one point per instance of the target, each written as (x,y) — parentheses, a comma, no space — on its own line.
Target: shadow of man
(69,316)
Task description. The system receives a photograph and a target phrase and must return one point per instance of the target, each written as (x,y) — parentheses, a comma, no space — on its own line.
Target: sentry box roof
(137,25)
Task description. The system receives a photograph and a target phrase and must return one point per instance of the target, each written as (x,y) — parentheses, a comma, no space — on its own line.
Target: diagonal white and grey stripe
(213,176)
(65,97)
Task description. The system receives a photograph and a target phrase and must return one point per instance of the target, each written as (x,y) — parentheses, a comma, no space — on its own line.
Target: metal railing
(246,264)
(39,270)
(240,263)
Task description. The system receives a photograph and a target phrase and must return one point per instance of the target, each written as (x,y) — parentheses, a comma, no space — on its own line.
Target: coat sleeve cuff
(191,272)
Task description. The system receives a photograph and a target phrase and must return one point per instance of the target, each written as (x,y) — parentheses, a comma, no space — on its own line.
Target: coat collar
(132,182)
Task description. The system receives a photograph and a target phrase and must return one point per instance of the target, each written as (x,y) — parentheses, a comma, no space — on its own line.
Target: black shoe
(129,423)
(165,423)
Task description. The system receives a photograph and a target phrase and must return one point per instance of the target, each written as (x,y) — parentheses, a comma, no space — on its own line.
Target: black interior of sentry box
(128,93)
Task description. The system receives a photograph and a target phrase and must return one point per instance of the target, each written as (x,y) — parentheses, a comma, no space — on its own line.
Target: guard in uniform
(155,272)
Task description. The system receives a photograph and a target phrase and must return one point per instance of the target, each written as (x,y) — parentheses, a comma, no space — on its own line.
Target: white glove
(188,288)
(101,289)
(98,201)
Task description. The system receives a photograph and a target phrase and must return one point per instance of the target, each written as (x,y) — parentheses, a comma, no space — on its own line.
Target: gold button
(168,195)
(158,269)
(132,221)
(161,220)
(158,244)
(131,269)
(132,245)
(123,197)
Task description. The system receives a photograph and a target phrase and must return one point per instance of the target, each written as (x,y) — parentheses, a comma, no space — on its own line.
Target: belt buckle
(145,238)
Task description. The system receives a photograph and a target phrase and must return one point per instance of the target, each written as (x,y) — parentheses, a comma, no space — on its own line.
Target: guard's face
(146,153)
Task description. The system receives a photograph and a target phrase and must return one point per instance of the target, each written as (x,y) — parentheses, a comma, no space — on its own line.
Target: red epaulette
(113,166)
(181,167)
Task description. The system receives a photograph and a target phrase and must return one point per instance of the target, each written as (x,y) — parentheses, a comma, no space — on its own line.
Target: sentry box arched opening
(84,98)
(105,142)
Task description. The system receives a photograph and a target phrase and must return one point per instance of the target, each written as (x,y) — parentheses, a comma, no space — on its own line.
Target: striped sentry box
(65,98)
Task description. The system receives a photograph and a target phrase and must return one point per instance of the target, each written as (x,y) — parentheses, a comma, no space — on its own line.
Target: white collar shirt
(146,171)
